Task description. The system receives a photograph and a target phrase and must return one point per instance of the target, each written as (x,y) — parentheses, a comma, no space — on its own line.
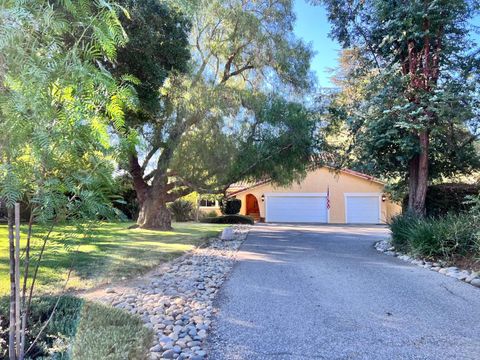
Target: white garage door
(362,209)
(296,208)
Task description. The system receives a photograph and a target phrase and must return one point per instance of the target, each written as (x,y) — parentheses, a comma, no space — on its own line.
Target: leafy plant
(61,328)
(231,206)
(110,334)
(210,214)
(80,330)
(448,198)
(400,226)
(57,105)
(443,237)
(182,210)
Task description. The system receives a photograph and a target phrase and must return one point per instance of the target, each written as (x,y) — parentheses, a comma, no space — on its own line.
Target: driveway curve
(324,292)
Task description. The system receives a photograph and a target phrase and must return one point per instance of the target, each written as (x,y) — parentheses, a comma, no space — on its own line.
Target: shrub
(127,204)
(400,227)
(80,330)
(448,198)
(108,333)
(231,206)
(444,237)
(229,219)
(60,331)
(182,210)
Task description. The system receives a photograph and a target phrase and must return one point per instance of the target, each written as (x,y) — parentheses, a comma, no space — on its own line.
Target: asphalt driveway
(324,292)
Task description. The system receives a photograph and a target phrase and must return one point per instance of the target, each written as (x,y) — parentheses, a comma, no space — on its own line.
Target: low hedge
(80,330)
(229,219)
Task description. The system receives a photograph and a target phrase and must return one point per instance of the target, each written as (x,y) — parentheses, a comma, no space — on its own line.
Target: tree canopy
(243,57)
(409,88)
(57,102)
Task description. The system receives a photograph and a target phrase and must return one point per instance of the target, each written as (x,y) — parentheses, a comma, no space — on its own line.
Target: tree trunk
(12,327)
(418,177)
(421,192)
(412,181)
(154,213)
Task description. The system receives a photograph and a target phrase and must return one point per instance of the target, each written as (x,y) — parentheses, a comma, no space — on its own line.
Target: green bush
(80,330)
(448,198)
(400,227)
(231,206)
(110,334)
(57,337)
(444,237)
(229,219)
(182,210)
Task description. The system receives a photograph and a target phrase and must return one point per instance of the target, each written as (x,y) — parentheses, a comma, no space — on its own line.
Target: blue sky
(312,25)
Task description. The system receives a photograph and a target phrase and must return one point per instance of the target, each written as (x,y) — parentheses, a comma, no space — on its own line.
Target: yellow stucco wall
(318,181)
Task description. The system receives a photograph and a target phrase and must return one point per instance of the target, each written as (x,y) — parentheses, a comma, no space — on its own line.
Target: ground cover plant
(79,330)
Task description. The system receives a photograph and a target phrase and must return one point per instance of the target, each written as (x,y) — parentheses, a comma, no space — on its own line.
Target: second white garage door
(308,208)
(362,209)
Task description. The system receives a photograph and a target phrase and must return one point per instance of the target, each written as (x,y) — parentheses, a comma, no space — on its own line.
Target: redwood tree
(417,75)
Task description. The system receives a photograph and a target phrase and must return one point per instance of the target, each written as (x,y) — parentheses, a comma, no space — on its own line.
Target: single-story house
(323,196)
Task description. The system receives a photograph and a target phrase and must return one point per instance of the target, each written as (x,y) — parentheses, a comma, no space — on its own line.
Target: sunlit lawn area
(113,252)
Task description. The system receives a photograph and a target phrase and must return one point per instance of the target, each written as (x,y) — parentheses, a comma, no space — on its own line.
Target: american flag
(328,197)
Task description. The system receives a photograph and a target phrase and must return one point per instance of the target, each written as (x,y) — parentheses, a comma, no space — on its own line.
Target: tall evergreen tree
(421,91)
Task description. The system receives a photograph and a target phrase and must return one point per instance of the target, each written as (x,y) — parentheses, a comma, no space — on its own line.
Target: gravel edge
(469,276)
(176,299)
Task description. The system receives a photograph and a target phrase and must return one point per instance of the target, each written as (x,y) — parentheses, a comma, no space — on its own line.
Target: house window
(208,203)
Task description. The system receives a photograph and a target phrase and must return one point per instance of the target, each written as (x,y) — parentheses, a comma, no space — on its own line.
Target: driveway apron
(324,292)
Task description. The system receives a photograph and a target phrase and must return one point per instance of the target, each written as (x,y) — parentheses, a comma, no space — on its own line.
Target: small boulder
(227,234)
(475,282)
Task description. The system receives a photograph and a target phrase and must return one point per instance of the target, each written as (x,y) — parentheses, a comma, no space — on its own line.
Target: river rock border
(468,276)
(175,300)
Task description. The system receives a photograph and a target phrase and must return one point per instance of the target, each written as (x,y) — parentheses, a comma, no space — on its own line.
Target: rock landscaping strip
(176,299)
(468,276)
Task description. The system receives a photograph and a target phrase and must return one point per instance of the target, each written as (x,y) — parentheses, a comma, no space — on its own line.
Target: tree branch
(139,183)
(237,72)
(172,196)
(148,157)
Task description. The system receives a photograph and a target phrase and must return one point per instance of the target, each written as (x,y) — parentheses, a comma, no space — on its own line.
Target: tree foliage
(56,104)
(409,89)
(211,115)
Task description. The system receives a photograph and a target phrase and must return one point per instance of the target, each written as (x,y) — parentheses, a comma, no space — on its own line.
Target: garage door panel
(362,209)
(296,209)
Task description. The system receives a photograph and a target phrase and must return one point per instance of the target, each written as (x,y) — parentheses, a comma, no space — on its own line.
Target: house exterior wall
(318,181)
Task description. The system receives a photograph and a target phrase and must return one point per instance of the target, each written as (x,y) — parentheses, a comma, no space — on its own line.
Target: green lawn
(113,252)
